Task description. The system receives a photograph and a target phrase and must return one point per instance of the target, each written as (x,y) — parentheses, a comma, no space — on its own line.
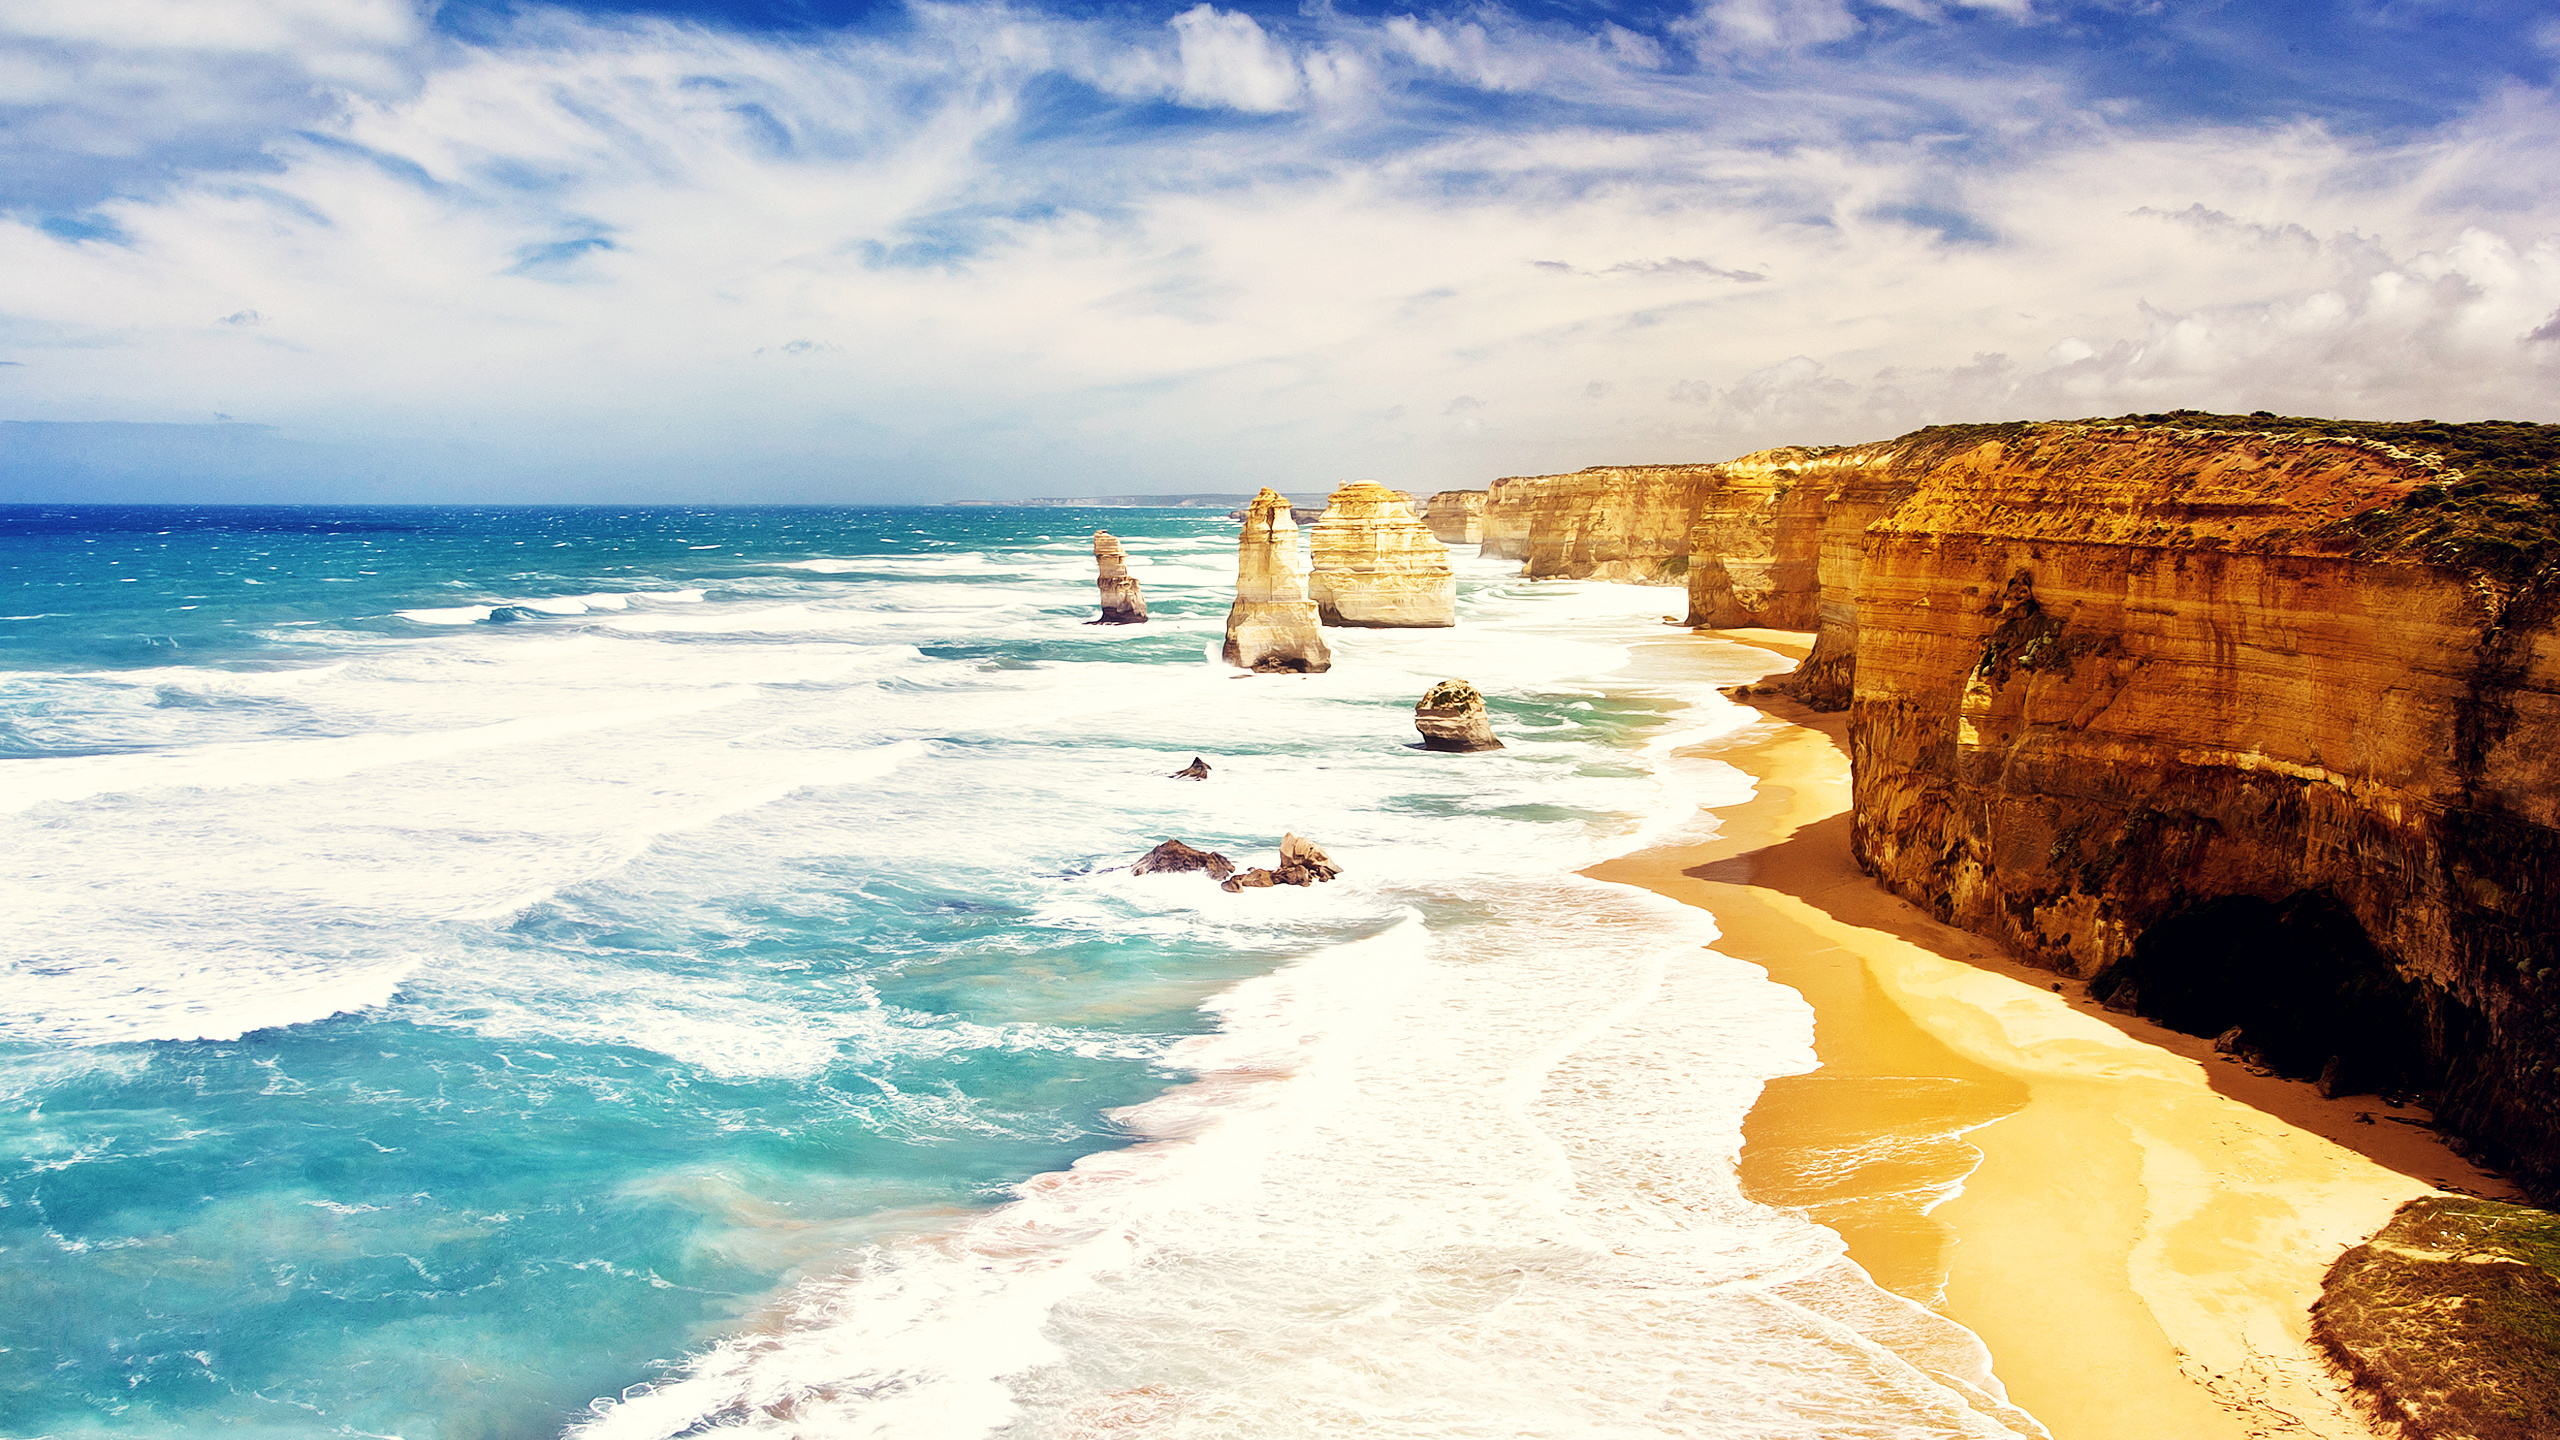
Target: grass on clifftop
(2450,1319)
(2501,518)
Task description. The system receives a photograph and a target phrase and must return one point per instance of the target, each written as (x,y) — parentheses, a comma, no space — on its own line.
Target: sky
(802,251)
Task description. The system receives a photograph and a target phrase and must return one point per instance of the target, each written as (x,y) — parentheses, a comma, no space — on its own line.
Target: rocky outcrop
(1456,517)
(1198,769)
(1301,863)
(1175,858)
(2449,1320)
(1610,522)
(1451,716)
(1373,565)
(1273,627)
(1122,604)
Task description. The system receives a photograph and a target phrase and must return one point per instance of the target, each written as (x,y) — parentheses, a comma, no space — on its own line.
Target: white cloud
(1228,60)
(1765,25)
(103,96)
(646,258)
(1775,24)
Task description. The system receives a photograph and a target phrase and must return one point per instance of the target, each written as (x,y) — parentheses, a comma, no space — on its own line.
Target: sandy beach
(2134,1225)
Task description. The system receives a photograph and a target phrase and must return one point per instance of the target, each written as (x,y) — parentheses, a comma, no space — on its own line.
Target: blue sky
(793,250)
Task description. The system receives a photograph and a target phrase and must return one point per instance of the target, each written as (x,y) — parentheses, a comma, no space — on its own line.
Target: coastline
(2133,1225)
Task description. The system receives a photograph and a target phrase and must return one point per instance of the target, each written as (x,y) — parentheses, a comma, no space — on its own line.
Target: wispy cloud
(995,250)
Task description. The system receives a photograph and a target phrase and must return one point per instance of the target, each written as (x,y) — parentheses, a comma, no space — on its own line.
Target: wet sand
(2141,1224)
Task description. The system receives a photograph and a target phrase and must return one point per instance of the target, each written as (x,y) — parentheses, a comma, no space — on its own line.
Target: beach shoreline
(2134,1225)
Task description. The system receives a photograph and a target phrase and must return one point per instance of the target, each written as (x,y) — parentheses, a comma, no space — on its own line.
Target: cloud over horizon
(980,250)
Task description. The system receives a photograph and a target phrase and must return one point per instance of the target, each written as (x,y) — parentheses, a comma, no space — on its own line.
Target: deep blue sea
(474,974)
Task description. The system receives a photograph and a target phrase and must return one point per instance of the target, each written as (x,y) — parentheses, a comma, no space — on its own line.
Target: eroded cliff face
(1372,563)
(1456,517)
(1610,522)
(2254,721)
(1755,547)
(2152,705)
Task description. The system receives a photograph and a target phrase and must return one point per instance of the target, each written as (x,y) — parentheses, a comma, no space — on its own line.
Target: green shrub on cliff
(2500,516)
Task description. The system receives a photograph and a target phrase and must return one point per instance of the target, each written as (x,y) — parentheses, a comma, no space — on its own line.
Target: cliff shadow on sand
(2135,1226)
(1814,864)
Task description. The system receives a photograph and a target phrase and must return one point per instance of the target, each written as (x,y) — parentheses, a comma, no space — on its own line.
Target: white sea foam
(546,605)
(1419,1177)
(1477,1183)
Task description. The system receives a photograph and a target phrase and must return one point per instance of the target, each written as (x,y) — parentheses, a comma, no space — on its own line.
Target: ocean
(478,973)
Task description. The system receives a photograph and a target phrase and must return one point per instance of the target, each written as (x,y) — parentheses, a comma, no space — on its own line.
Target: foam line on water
(1336,1228)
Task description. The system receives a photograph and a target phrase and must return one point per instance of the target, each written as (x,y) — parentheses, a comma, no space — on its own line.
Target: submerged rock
(1272,627)
(1451,716)
(1198,769)
(1173,857)
(1302,862)
(1122,604)
(1374,564)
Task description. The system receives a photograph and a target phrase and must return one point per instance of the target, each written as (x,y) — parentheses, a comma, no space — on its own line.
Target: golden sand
(2142,1224)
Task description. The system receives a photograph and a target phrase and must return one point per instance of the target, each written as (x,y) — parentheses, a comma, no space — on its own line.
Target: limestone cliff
(1456,517)
(2254,720)
(1122,603)
(1754,551)
(1373,565)
(1610,522)
(1273,626)
(2257,726)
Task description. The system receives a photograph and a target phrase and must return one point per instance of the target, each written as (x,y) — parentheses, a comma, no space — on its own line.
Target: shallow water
(467,967)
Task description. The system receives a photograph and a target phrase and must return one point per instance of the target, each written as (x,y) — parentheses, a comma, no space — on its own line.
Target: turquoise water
(470,966)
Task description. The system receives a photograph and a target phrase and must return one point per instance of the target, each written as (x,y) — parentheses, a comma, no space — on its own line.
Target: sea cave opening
(2298,979)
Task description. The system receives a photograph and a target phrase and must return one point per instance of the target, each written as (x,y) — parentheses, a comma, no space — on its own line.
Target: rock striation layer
(1122,604)
(1451,717)
(1272,627)
(1610,522)
(2252,720)
(2257,727)
(1456,516)
(1374,565)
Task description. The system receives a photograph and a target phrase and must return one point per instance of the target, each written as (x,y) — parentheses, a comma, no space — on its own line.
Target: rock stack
(1451,716)
(1272,627)
(1456,516)
(1121,602)
(1376,565)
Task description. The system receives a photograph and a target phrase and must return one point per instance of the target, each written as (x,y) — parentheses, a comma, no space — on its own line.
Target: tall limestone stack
(1456,516)
(1122,604)
(1273,627)
(1375,564)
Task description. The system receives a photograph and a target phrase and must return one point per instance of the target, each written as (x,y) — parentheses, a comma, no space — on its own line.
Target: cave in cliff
(2298,978)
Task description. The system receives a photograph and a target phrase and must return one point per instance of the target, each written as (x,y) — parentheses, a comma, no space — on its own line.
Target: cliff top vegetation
(2498,516)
